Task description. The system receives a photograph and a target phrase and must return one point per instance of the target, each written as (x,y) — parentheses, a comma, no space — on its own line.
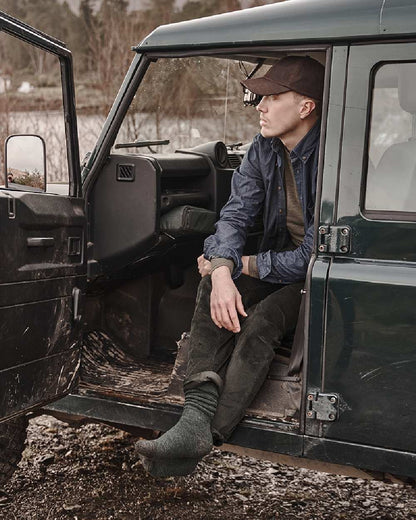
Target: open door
(42,223)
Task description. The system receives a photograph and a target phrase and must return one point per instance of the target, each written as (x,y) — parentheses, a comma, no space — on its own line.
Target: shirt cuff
(219,262)
(253,270)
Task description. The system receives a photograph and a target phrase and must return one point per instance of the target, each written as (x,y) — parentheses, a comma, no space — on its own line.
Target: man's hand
(204,266)
(225,300)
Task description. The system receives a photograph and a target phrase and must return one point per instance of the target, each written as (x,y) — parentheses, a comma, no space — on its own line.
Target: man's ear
(306,108)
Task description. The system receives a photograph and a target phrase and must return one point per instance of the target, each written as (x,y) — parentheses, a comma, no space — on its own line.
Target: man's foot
(178,451)
(162,468)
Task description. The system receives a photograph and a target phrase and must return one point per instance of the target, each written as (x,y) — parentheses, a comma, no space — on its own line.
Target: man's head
(291,93)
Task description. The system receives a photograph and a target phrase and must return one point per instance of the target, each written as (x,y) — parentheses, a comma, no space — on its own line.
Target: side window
(31,103)
(391,173)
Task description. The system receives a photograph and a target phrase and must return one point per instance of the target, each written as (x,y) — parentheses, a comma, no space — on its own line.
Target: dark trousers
(239,363)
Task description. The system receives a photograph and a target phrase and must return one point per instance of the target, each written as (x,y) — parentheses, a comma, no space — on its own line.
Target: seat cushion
(188,220)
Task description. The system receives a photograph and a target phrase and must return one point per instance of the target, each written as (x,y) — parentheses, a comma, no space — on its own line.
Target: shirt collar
(305,146)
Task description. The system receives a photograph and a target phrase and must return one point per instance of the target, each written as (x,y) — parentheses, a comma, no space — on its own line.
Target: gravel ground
(89,473)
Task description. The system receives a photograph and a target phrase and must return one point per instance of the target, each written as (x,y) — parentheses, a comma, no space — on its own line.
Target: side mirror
(25,162)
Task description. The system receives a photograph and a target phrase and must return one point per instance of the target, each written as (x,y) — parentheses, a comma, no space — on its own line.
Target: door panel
(39,336)
(35,330)
(25,387)
(370,351)
(42,236)
(59,220)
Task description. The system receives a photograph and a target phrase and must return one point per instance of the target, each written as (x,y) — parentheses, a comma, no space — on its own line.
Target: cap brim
(264,86)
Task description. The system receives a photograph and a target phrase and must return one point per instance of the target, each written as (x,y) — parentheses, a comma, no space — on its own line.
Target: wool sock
(178,451)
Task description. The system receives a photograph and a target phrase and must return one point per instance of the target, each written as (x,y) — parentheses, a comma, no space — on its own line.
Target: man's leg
(178,451)
(211,347)
(261,332)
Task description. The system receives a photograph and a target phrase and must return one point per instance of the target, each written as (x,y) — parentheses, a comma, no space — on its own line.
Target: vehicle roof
(291,21)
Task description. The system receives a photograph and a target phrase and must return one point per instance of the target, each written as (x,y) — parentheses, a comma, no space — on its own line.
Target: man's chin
(265,133)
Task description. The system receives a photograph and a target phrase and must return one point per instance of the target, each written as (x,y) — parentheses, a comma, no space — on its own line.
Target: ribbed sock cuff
(203,398)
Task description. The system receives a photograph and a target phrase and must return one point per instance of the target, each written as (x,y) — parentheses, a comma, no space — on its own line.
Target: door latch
(323,407)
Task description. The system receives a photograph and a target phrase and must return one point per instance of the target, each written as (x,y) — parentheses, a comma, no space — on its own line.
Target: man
(246,304)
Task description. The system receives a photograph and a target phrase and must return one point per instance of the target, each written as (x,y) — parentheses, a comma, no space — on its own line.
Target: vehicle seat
(188,220)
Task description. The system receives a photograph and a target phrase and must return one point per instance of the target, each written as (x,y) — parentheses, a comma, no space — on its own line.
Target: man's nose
(261,106)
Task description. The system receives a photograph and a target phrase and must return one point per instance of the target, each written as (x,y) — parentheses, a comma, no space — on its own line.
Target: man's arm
(286,266)
(239,213)
(247,196)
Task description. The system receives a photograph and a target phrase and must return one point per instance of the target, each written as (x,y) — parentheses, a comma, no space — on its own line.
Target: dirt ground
(90,473)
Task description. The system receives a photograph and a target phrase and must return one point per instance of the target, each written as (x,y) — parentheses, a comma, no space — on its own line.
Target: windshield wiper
(142,144)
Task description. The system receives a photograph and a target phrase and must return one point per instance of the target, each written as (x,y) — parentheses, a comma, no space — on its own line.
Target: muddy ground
(89,473)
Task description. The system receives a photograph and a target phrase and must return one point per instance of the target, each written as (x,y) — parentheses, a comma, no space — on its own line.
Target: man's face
(280,115)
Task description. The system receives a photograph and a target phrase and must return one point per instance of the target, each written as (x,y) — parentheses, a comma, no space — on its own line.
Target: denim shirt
(258,184)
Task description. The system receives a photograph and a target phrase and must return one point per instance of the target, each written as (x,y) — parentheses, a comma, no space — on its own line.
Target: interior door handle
(40,241)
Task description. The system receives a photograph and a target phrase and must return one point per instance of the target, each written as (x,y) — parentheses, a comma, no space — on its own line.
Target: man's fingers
(215,320)
(204,266)
(224,300)
(234,319)
(240,306)
(214,316)
(199,262)
(223,317)
(219,315)
(229,318)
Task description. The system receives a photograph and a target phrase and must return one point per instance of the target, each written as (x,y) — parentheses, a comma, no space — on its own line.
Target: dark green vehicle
(98,275)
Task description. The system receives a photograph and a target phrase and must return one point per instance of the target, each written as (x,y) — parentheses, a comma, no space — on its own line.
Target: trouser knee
(208,376)
(204,289)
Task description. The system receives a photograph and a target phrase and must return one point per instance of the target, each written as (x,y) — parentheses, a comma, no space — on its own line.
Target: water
(181,132)
(50,126)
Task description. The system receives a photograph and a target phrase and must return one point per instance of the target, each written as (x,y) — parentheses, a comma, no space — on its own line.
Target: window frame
(36,38)
(138,68)
(376,214)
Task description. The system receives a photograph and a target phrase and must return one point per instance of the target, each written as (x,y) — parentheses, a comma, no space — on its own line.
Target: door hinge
(323,407)
(334,239)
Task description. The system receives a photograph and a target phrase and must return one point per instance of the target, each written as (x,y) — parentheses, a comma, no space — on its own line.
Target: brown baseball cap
(302,74)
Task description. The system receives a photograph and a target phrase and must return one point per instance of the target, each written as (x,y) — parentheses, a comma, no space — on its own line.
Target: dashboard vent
(125,172)
(234,160)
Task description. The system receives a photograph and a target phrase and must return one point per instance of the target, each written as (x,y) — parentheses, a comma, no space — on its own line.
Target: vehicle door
(368,356)
(42,224)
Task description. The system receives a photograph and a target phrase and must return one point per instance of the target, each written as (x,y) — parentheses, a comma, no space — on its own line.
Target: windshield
(190,101)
